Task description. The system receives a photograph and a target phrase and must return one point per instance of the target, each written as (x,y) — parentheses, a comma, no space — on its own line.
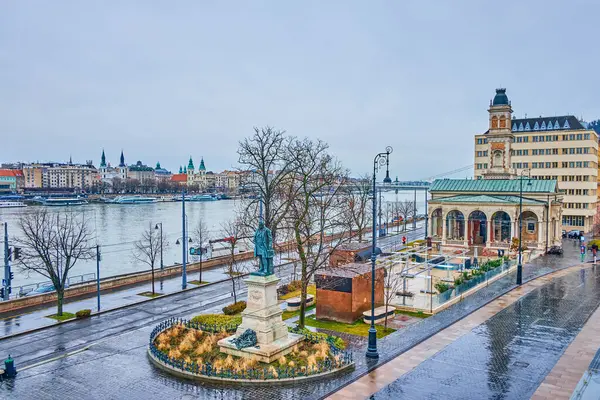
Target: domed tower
(499,137)
(122,167)
(190,171)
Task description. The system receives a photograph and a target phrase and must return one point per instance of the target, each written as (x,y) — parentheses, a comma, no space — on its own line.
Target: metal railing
(24,290)
(476,279)
(342,359)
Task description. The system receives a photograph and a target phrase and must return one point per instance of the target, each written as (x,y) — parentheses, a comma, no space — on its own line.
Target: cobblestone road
(110,362)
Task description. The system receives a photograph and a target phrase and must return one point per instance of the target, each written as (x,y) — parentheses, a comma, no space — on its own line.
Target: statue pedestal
(263,316)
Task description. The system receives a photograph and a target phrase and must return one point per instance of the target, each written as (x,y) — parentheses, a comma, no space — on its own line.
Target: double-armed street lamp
(380,159)
(520,263)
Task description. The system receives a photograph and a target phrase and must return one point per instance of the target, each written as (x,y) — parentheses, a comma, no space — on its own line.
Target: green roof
(484,198)
(493,185)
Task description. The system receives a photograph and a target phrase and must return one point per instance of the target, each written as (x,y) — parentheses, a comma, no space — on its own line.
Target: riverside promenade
(105,357)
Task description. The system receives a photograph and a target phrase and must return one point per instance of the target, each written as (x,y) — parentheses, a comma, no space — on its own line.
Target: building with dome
(560,148)
(552,161)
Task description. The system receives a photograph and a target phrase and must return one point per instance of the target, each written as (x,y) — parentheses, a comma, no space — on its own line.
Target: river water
(118,226)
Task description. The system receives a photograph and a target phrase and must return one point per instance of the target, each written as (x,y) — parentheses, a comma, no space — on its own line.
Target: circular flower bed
(191,350)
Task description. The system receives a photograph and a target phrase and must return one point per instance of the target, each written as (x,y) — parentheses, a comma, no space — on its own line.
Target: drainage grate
(595,364)
(521,364)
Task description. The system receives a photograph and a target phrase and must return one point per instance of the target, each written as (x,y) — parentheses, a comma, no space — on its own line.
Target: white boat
(133,200)
(64,201)
(201,197)
(11,204)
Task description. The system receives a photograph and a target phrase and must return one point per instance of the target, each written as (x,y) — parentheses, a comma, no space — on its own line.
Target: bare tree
(264,169)
(234,232)
(202,234)
(359,194)
(406,209)
(51,245)
(393,282)
(317,207)
(147,249)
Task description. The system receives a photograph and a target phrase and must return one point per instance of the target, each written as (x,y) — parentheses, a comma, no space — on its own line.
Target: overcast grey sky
(164,80)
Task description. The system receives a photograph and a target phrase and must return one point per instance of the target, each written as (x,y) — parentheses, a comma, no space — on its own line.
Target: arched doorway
(455,225)
(477,228)
(500,227)
(436,223)
(529,230)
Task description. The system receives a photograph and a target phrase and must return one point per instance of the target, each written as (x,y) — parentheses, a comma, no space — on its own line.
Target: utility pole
(98,275)
(415,211)
(184,243)
(7,274)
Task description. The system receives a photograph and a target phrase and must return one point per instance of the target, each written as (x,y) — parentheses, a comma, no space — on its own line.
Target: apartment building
(561,148)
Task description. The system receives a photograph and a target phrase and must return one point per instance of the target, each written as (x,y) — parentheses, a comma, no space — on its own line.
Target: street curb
(97,313)
(374,367)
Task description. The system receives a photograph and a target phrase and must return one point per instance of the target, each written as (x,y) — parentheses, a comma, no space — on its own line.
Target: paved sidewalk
(566,374)
(388,374)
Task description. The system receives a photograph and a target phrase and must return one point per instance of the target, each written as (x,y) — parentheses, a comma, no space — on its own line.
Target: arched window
(503,122)
(494,122)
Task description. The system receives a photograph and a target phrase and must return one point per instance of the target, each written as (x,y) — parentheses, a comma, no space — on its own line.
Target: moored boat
(133,200)
(63,201)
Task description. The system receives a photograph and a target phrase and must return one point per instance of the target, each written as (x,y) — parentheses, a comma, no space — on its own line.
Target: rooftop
(484,198)
(348,270)
(493,185)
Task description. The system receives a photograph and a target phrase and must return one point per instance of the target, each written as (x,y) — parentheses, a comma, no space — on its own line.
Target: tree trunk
(152,267)
(60,292)
(200,276)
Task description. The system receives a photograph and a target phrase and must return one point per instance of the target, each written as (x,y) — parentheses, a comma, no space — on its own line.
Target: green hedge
(337,341)
(217,319)
(83,313)
(234,308)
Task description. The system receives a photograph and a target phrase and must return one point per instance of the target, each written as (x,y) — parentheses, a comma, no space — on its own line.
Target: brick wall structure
(344,293)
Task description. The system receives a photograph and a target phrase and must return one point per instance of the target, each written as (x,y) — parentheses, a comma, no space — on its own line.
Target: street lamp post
(161,244)
(379,160)
(520,263)
(184,243)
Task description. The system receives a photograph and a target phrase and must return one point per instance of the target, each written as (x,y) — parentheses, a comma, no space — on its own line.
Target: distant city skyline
(162,82)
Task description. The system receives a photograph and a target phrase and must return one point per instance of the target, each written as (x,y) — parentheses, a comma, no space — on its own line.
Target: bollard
(9,368)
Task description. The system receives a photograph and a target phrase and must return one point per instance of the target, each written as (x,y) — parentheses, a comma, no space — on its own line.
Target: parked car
(557,250)
(574,234)
(43,288)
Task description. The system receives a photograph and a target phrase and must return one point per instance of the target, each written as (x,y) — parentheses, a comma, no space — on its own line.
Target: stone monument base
(263,316)
(266,353)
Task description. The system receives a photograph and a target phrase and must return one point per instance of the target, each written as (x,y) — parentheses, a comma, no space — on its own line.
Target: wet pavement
(508,356)
(107,354)
(37,318)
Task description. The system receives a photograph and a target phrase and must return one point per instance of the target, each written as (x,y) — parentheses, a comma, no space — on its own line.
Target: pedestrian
(404,240)
(595,251)
(582,248)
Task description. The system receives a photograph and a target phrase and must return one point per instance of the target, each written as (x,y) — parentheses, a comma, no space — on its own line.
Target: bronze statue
(263,249)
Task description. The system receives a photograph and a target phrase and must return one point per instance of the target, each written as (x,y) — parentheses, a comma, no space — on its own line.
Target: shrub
(83,313)
(337,341)
(234,308)
(217,319)
(458,281)
(441,287)
(466,276)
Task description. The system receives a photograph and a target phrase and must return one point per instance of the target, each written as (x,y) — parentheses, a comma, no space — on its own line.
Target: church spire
(190,166)
(103,160)
(202,167)
(122,160)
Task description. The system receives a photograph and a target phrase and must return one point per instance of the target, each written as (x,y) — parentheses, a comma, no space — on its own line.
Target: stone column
(444,229)
(540,239)
(488,233)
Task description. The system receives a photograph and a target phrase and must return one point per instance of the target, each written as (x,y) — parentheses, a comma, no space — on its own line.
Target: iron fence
(24,290)
(475,280)
(341,359)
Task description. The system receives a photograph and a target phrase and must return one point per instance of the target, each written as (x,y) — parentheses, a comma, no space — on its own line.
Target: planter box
(380,314)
